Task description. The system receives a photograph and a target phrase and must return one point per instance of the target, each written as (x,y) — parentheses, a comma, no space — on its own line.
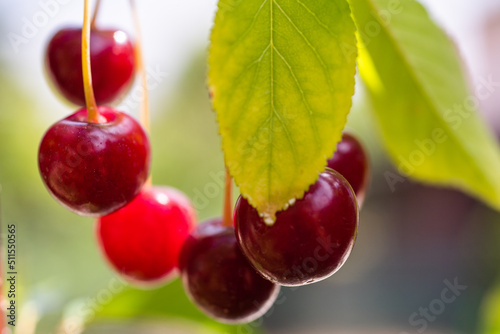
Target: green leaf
(427,116)
(281,84)
(167,303)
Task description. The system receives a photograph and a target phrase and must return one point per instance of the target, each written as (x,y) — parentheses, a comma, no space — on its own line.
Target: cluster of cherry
(98,167)
(96,163)
(233,273)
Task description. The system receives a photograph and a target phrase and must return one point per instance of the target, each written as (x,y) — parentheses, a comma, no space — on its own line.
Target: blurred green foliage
(167,303)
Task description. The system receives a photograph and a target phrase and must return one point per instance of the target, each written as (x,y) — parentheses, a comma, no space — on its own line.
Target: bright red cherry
(112,61)
(94,169)
(309,241)
(219,279)
(352,162)
(142,240)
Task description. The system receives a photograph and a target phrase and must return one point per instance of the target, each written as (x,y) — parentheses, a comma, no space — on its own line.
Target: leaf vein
(309,44)
(246,32)
(253,83)
(315,17)
(302,94)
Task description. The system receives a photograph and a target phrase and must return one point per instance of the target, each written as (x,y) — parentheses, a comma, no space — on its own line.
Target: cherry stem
(227,219)
(96,12)
(139,60)
(92,112)
(144,117)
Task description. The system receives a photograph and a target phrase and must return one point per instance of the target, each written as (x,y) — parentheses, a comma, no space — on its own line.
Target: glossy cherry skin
(219,279)
(142,240)
(94,169)
(352,162)
(309,241)
(112,62)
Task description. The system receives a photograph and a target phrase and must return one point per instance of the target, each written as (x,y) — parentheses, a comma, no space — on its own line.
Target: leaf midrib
(271,130)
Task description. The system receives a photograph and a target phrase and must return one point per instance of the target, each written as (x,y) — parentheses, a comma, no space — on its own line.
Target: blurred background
(413,242)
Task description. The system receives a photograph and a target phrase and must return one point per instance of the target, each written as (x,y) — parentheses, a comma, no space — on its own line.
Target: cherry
(94,168)
(112,62)
(352,162)
(309,241)
(219,279)
(142,240)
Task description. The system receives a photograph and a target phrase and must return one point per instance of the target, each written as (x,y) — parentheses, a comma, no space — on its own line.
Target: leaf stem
(92,112)
(96,12)
(227,219)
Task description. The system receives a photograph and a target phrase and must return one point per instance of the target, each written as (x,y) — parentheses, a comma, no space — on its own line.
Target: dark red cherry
(309,241)
(94,169)
(112,62)
(219,279)
(142,240)
(352,162)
